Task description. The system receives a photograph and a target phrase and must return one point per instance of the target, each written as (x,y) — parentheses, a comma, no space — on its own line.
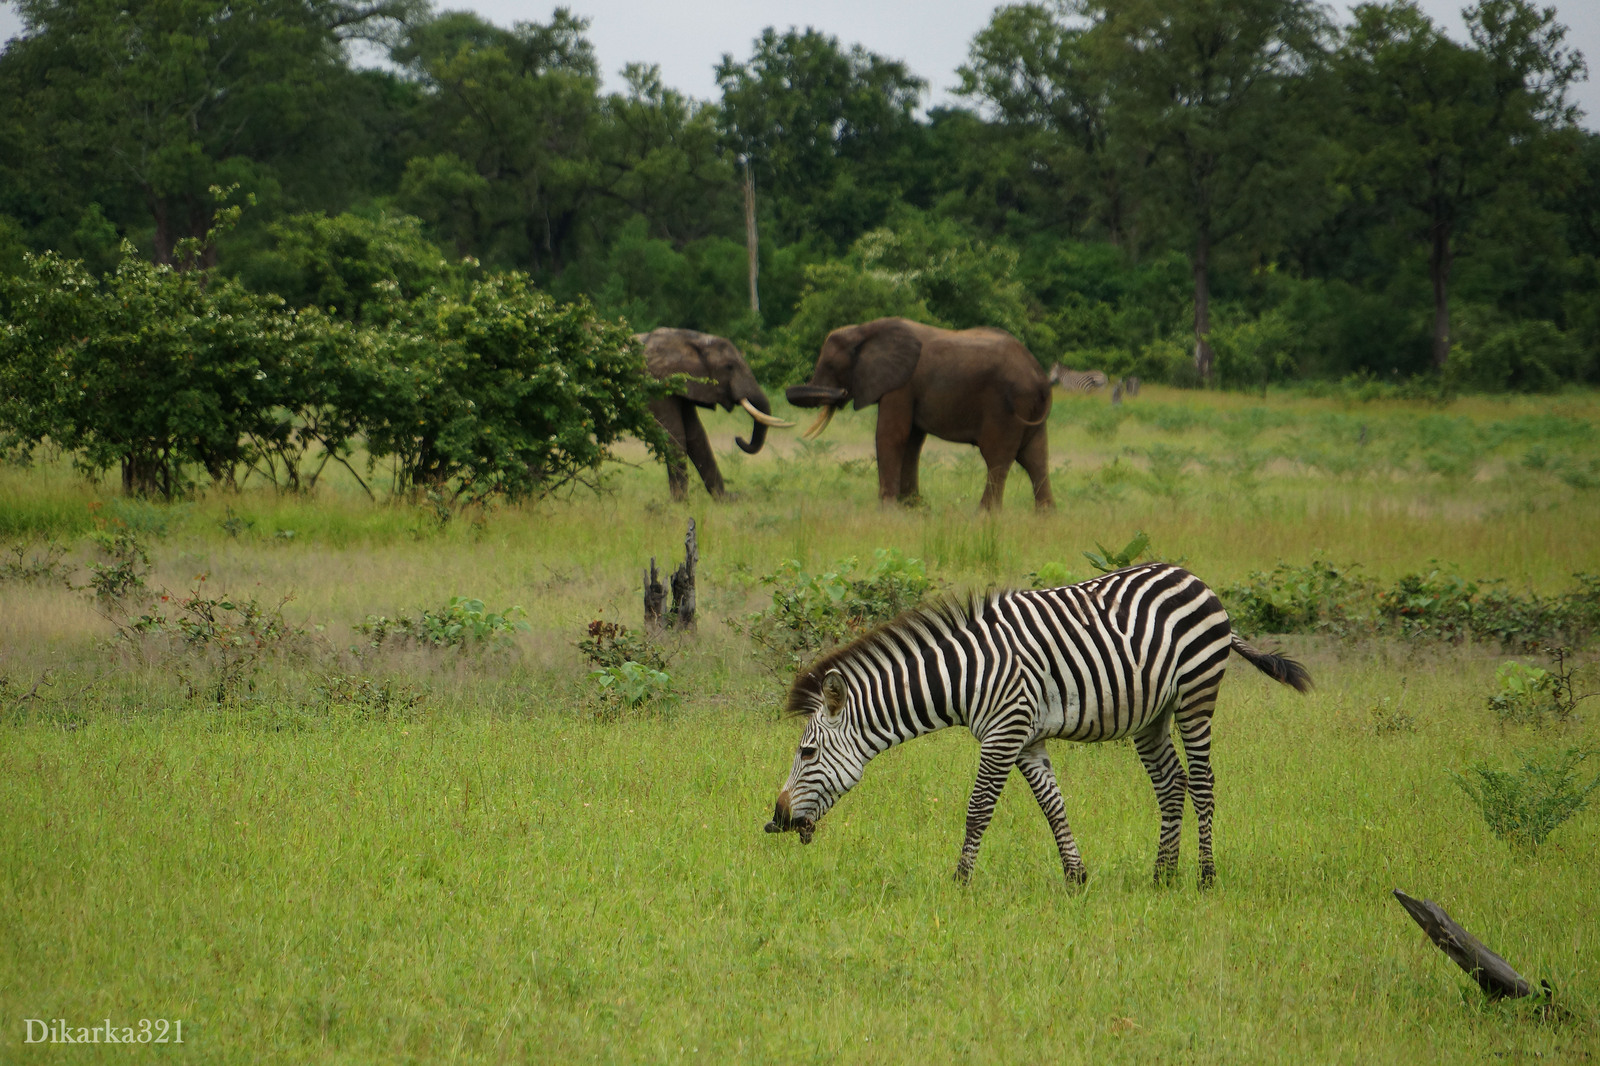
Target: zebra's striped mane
(946,612)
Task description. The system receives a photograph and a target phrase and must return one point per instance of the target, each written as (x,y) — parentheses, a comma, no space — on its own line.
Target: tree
(830,135)
(1042,76)
(1438,128)
(508,118)
(501,391)
(153,371)
(1210,87)
(142,107)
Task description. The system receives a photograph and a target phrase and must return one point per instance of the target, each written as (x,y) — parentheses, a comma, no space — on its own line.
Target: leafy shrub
(813,612)
(123,575)
(155,370)
(1389,716)
(501,391)
(1526,805)
(610,644)
(1318,597)
(47,568)
(229,635)
(1526,356)
(1252,353)
(1050,576)
(1437,605)
(462,622)
(1527,695)
(631,686)
(1531,695)
(1106,560)
(366,699)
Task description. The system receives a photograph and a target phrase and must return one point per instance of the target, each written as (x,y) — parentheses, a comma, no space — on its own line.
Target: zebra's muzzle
(783,821)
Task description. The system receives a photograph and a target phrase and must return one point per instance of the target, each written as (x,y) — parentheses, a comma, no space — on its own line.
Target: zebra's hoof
(1077,878)
(1208,875)
(963,876)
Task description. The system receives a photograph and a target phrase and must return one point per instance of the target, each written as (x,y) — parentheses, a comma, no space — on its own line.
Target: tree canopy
(1275,194)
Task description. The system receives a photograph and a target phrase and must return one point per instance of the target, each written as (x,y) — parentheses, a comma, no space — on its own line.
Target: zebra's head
(830,759)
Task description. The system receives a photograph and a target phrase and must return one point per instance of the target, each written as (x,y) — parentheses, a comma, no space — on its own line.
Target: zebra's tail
(1278,667)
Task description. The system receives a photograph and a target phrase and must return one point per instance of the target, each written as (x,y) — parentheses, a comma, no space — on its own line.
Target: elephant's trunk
(816,395)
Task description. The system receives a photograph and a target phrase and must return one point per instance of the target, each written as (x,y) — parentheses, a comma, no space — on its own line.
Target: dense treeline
(1234,193)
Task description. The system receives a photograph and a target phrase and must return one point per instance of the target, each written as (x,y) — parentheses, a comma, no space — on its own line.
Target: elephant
(728,383)
(972,386)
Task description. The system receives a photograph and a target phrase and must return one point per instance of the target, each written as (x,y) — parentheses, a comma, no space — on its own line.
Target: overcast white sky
(930,36)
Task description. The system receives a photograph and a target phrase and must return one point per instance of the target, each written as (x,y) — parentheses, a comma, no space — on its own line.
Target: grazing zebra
(1077,380)
(1122,655)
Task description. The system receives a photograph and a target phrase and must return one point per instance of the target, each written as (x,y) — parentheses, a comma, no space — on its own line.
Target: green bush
(812,612)
(1528,695)
(461,623)
(1317,597)
(364,699)
(501,392)
(1524,806)
(610,644)
(631,686)
(1525,356)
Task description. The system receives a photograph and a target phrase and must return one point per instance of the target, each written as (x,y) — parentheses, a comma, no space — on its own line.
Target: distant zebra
(1077,380)
(1124,655)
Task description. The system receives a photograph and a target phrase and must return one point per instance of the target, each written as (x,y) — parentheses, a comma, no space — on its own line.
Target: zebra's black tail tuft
(1278,667)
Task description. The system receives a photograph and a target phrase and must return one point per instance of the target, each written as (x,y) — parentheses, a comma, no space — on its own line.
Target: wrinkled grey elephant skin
(721,379)
(972,386)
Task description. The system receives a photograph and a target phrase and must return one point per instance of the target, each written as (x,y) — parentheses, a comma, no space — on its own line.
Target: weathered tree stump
(1493,974)
(682,616)
(655,598)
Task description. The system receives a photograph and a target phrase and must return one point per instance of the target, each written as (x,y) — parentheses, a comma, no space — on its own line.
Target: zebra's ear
(833,694)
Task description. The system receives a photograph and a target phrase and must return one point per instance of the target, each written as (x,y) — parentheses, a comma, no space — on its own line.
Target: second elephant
(724,380)
(972,386)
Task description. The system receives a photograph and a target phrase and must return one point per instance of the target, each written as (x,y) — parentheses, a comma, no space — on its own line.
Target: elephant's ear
(885,361)
(672,351)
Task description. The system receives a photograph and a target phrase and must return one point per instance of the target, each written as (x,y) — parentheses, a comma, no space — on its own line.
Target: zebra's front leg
(1160,760)
(994,766)
(1034,762)
(1196,733)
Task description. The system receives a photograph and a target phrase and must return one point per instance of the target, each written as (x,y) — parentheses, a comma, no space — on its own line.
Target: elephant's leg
(699,447)
(908,465)
(894,430)
(1035,459)
(669,413)
(999,449)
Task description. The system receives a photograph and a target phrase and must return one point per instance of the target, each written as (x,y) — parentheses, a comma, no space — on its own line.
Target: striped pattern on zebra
(1127,654)
(1077,380)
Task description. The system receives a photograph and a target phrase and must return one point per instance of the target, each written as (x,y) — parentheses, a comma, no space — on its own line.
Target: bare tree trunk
(1202,306)
(1439,262)
(752,247)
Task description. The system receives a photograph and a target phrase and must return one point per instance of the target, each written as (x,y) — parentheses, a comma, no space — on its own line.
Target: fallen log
(1493,974)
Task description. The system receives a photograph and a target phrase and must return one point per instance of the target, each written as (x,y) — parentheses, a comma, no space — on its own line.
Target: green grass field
(488,870)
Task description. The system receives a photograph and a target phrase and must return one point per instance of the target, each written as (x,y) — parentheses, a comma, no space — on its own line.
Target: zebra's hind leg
(1160,760)
(1196,732)
(1034,762)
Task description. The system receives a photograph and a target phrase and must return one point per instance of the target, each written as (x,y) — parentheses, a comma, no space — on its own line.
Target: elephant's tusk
(823,418)
(765,419)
